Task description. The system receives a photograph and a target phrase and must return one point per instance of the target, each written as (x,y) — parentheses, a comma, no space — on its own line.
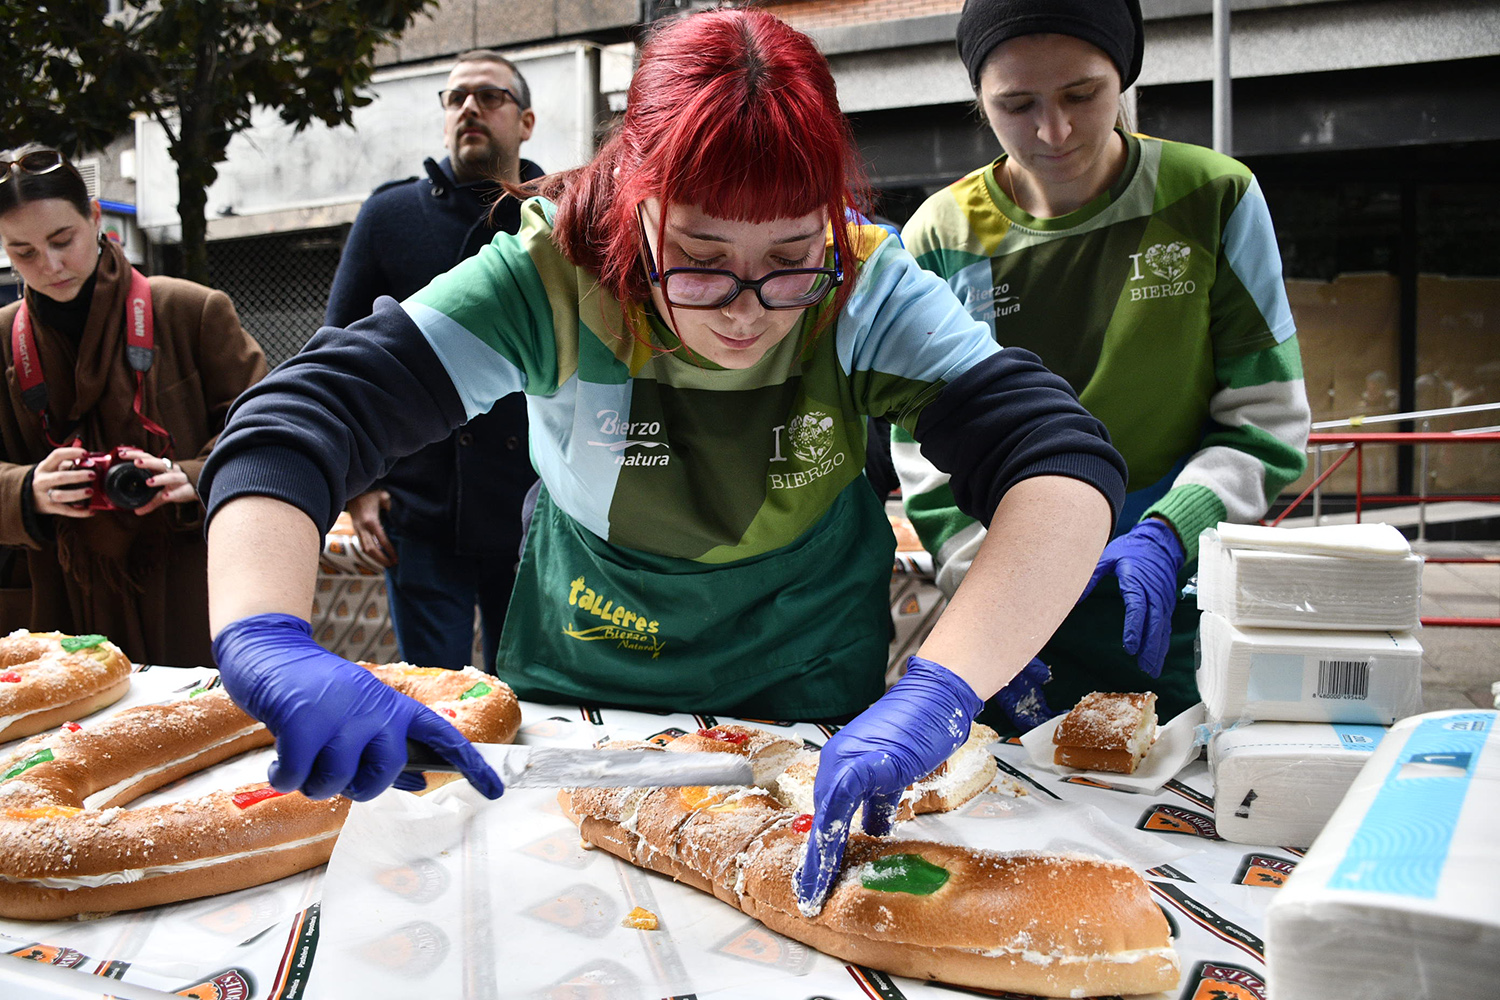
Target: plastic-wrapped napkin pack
(1398,895)
(1279,782)
(1353,576)
(1301,675)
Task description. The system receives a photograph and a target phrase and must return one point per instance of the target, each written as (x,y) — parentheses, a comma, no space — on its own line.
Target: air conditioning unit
(89,169)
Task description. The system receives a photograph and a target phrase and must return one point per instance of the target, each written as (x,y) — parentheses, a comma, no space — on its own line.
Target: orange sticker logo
(49,954)
(1264,869)
(1215,981)
(1175,819)
(420,882)
(231,984)
(756,943)
(581,909)
(561,849)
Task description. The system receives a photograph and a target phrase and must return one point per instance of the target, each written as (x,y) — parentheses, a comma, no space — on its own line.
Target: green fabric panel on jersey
(1279,363)
(611,626)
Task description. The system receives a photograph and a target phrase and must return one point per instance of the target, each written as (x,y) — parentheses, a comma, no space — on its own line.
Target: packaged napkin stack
(1303,645)
(1397,896)
(1278,782)
(1350,576)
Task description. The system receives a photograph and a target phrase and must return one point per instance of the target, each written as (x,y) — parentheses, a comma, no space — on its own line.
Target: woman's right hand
(338,730)
(58,488)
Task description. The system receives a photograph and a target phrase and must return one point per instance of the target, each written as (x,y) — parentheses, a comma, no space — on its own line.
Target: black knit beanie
(1112,25)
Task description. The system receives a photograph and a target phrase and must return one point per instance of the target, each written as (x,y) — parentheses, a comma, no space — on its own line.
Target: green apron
(1086,654)
(801,632)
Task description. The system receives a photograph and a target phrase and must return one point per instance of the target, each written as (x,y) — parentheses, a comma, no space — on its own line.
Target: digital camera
(118,484)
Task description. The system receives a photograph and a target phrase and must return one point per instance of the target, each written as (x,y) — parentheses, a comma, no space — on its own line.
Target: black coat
(465,491)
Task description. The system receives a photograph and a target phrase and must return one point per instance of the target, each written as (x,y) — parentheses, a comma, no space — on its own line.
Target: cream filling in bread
(6,720)
(128,875)
(1144,735)
(1042,958)
(94,800)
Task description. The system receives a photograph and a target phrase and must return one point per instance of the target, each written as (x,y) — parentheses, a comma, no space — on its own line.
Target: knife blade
(566,767)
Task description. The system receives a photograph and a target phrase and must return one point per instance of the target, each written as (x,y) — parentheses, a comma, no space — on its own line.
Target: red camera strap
(140,352)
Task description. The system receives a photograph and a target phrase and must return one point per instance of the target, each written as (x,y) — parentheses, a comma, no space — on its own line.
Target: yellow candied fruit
(426,671)
(698,796)
(640,919)
(41,812)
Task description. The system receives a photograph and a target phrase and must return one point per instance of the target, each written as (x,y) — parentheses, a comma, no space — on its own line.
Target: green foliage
(76,74)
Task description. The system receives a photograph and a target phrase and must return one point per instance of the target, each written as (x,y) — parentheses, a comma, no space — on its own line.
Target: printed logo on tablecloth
(579,909)
(422,881)
(666,736)
(753,942)
(601,979)
(1217,981)
(231,984)
(561,849)
(1264,869)
(413,949)
(1162,818)
(258,909)
(49,954)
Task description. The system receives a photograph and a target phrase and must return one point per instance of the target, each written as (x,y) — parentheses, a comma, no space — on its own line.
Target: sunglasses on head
(488,98)
(38,161)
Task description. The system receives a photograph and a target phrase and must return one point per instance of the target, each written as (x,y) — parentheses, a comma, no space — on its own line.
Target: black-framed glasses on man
(714,288)
(38,161)
(488,98)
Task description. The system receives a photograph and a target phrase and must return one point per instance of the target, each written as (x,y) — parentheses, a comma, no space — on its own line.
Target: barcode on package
(1347,680)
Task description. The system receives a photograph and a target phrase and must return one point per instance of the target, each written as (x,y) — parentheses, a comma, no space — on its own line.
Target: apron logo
(620,625)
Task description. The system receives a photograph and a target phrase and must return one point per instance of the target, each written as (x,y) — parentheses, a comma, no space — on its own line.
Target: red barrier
(1356,444)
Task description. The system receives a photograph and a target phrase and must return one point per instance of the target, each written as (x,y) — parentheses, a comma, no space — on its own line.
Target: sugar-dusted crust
(1106,732)
(68,845)
(45,684)
(1048,925)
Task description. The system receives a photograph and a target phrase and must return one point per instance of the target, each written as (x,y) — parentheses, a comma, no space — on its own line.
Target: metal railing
(1321,441)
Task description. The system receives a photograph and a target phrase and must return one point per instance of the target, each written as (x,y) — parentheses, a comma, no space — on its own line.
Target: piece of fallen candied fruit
(640,919)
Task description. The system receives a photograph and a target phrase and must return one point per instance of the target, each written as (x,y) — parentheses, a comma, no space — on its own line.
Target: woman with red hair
(700,336)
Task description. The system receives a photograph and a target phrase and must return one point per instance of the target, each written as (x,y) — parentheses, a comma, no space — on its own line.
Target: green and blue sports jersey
(658,452)
(1162,304)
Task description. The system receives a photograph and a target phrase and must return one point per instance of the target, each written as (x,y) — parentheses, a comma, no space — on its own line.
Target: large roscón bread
(1051,925)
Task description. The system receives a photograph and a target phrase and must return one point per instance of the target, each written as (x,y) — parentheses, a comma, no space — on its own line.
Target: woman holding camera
(121,388)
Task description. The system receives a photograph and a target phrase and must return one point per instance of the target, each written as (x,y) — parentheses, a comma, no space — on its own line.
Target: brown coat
(142,581)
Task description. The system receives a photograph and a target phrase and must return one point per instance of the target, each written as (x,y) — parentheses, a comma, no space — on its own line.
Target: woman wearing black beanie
(1146,273)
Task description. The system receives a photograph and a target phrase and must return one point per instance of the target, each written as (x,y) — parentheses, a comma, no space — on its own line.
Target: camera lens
(125,486)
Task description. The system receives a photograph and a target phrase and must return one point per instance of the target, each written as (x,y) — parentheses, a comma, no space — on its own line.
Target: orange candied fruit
(426,671)
(41,812)
(698,796)
(640,919)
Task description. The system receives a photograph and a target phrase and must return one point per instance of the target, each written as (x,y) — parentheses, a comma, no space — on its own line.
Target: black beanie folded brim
(1114,26)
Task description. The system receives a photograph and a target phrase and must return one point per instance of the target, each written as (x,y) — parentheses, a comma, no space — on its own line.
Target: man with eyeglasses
(445,522)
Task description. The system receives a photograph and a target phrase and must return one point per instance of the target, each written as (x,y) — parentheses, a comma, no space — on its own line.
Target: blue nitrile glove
(1023,700)
(338,729)
(919,722)
(1146,560)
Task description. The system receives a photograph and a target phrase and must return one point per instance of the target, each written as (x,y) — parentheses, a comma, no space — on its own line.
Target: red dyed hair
(731,110)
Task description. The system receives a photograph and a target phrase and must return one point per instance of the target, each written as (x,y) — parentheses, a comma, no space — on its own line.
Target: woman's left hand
(173,482)
(919,722)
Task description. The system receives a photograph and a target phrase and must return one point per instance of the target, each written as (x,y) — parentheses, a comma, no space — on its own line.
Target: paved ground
(1459,665)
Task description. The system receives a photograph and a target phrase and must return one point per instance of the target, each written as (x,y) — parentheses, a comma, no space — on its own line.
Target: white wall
(271,169)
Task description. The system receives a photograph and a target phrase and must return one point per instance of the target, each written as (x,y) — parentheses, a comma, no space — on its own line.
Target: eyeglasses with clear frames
(488,98)
(715,288)
(38,161)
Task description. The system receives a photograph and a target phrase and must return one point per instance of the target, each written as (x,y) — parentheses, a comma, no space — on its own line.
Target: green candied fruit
(73,643)
(41,756)
(904,873)
(477,691)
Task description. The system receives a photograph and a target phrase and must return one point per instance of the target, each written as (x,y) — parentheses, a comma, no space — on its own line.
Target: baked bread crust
(67,846)
(52,685)
(1049,925)
(1106,732)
